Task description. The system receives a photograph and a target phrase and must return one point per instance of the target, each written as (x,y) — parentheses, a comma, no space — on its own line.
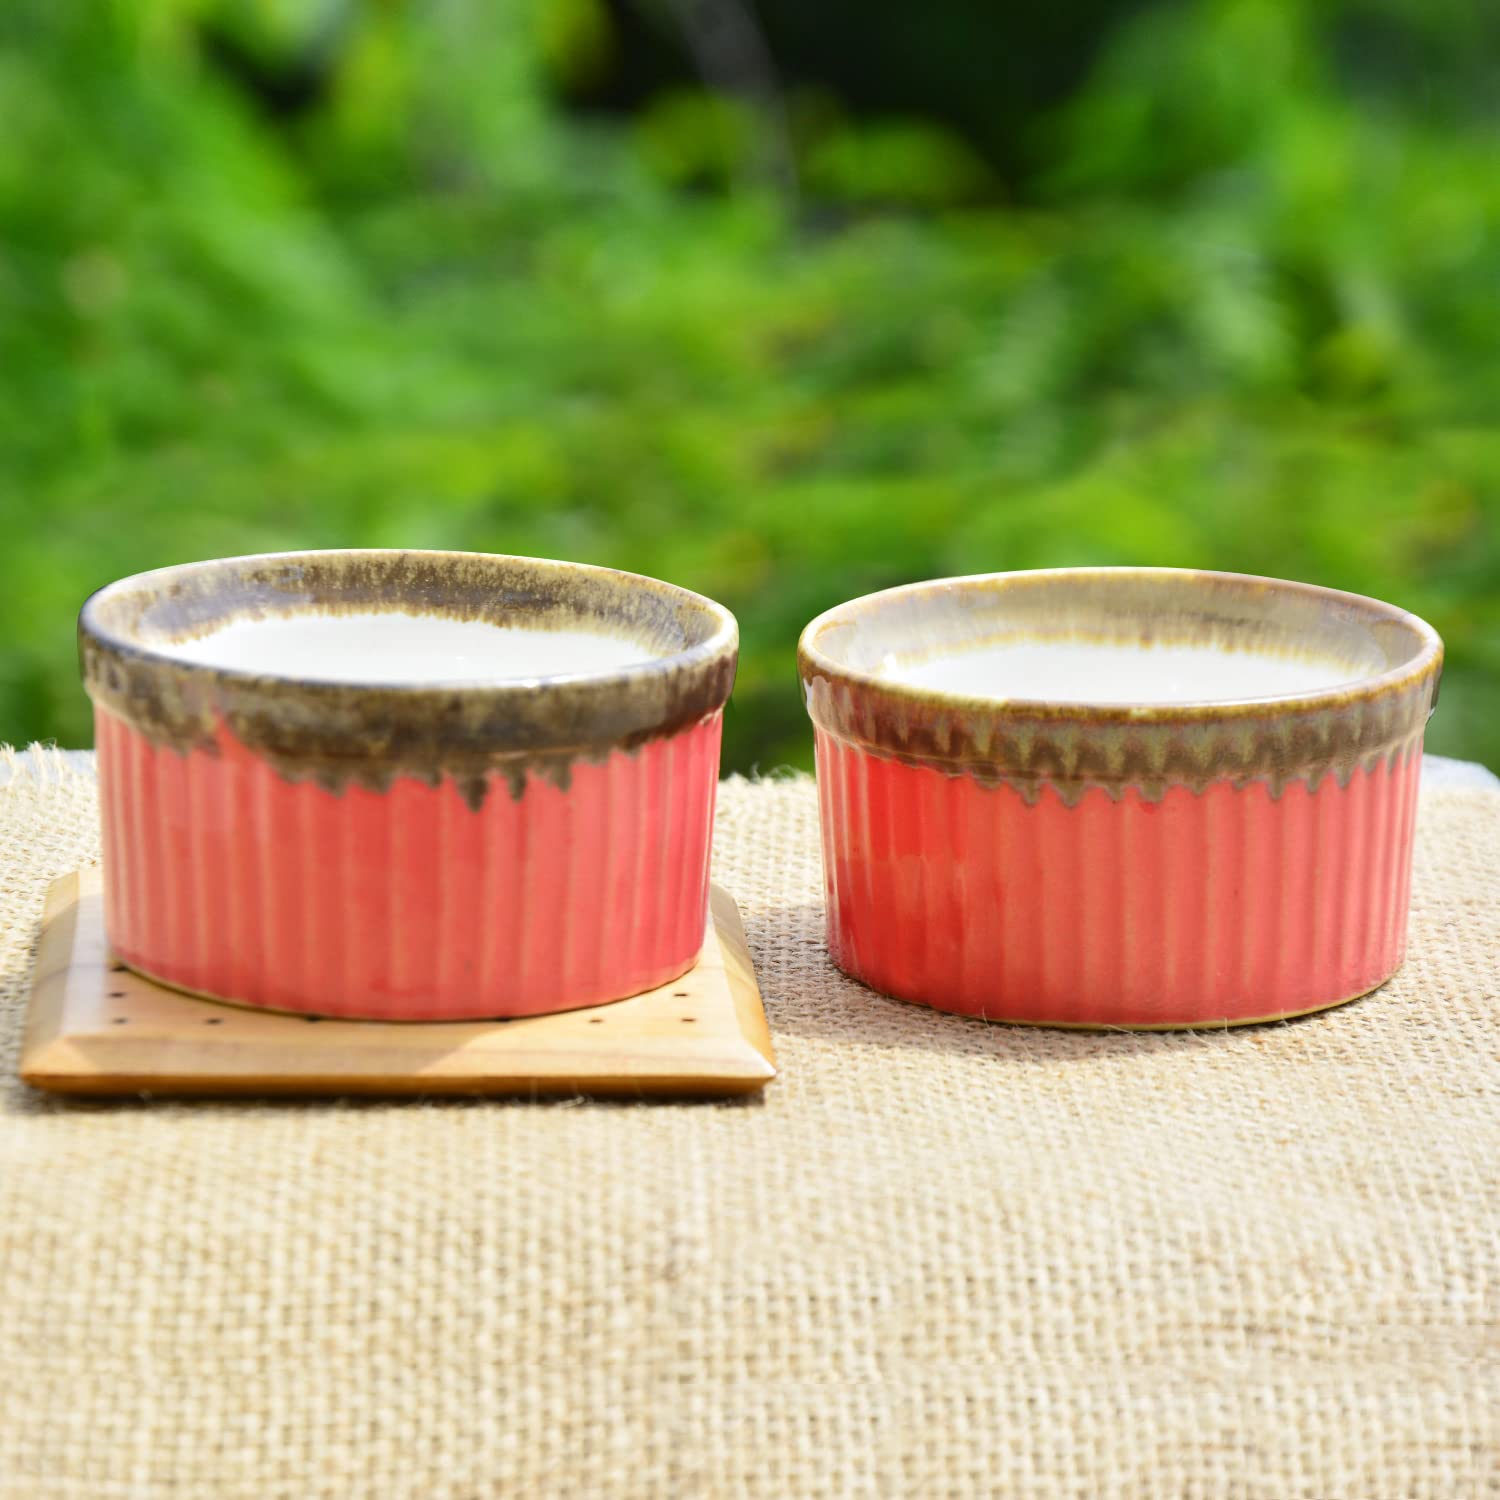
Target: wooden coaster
(94,1027)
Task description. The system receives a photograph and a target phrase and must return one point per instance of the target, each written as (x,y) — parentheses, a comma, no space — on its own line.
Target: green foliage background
(1243,312)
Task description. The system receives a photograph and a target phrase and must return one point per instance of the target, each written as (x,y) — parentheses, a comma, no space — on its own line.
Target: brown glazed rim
(369,733)
(1075,745)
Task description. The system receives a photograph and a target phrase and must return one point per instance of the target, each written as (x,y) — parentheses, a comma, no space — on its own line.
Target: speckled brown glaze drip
(1394,662)
(337,734)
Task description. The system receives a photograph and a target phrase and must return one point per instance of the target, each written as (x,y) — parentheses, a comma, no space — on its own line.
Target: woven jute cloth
(936,1258)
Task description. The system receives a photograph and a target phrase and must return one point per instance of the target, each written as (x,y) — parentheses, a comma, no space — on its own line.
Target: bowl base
(1227,1023)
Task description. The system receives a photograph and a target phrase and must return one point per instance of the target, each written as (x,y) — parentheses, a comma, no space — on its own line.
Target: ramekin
(406,851)
(1119,865)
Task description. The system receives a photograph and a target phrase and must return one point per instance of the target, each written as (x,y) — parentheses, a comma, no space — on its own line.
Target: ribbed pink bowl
(1203,863)
(406,851)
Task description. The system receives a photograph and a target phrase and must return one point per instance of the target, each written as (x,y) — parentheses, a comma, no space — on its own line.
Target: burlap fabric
(938,1258)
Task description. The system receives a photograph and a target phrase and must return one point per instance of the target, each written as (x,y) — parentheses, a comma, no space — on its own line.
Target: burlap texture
(938,1258)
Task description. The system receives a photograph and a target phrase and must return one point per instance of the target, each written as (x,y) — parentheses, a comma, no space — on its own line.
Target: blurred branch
(730,51)
(286,63)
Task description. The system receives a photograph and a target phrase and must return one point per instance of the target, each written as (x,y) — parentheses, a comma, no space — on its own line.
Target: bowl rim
(724,636)
(370,732)
(813,662)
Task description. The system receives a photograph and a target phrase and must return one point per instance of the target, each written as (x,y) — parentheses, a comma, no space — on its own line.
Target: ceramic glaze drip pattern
(407,850)
(1031,748)
(370,735)
(1198,863)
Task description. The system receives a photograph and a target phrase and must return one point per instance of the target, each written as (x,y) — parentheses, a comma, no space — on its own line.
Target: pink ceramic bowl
(1119,797)
(406,785)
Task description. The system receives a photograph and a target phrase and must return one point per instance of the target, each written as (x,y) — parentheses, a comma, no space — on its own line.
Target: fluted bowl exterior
(408,854)
(1067,865)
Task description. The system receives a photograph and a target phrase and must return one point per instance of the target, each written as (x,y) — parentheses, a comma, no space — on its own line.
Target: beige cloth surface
(938,1258)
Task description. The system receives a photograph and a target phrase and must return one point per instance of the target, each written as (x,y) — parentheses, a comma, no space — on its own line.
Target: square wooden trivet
(94,1027)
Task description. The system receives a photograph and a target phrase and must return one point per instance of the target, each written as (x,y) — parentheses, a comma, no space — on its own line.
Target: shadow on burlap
(939,1258)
